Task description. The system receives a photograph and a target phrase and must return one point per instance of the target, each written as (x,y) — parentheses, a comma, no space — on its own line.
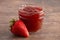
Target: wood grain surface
(51,26)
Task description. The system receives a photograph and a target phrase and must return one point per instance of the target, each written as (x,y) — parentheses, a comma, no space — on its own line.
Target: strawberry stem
(12,21)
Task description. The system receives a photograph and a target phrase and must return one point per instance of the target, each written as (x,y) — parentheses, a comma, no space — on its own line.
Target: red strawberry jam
(32,17)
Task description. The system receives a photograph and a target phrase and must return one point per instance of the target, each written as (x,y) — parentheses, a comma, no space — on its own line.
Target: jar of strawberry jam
(32,16)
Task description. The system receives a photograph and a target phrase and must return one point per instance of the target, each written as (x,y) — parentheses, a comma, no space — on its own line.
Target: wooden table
(51,25)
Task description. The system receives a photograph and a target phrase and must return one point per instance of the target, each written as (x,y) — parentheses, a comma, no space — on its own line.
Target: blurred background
(51,25)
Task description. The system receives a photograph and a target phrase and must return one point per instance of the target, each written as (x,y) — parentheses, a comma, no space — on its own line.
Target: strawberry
(18,28)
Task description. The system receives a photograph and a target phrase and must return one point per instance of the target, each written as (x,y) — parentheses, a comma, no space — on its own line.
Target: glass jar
(32,16)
